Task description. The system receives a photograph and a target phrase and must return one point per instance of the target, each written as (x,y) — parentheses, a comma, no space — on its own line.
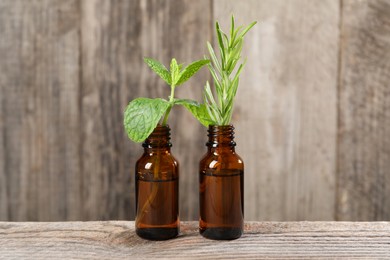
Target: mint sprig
(143,114)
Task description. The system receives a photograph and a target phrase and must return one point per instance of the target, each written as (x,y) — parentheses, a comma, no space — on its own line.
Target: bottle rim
(159,132)
(217,132)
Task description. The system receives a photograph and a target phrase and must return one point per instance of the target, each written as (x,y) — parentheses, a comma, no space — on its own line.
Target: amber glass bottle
(221,187)
(157,176)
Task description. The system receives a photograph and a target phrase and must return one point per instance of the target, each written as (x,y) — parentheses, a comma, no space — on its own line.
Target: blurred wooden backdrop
(312,114)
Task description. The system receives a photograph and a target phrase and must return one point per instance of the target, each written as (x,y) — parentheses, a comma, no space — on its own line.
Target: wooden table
(117,239)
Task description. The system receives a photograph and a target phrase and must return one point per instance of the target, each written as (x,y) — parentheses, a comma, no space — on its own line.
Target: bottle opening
(221,136)
(160,137)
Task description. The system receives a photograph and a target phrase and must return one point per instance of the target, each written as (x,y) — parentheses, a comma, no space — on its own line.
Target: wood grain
(285,113)
(312,114)
(364,112)
(271,240)
(39,84)
(115,38)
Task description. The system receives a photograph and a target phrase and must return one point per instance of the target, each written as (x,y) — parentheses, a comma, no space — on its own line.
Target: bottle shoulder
(221,160)
(152,166)
(163,157)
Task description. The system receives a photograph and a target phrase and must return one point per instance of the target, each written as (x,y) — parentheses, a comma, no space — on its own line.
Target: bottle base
(221,233)
(157,233)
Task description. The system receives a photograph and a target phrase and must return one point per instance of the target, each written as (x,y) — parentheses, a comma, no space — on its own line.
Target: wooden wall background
(312,115)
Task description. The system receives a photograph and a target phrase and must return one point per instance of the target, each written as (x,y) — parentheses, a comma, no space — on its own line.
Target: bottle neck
(158,139)
(221,137)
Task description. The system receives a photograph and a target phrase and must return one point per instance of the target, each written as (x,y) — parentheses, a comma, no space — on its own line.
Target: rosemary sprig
(224,73)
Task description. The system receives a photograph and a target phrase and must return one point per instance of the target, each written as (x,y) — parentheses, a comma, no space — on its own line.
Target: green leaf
(213,112)
(174,71)
(220,41)
(213,57)
(232,27)
(199,111)
(209,95)
(142,116)
(247,29)
(190,70)
(233,39)
(159,69)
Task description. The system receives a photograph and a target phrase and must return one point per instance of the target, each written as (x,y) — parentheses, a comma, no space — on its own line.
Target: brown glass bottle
(221,191)
(157,188)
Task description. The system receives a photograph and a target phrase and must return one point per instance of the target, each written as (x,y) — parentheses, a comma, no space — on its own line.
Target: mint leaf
(175,69)
(190,70)
(142,116)
(159,69)
(199,111)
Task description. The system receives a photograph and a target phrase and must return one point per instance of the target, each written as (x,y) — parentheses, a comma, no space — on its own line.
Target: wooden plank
(364,109)
(286,112)
(274,240)
(39,83)
(115,38)
(59,149)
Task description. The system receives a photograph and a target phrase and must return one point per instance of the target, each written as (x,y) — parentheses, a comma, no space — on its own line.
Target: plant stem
(156,171)
(171,99)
